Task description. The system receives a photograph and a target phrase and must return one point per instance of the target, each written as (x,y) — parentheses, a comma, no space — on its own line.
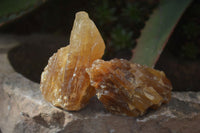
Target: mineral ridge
(75,73)
(64,82)
(129,89)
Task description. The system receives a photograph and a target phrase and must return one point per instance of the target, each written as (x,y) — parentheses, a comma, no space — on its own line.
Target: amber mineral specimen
(64,81)
(129,89)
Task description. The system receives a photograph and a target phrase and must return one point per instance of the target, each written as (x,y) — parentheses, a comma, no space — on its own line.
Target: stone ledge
(23,107)
(24,110)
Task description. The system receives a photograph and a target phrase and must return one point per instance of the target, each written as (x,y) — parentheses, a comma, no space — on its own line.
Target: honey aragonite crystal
(64,82)
(129,89)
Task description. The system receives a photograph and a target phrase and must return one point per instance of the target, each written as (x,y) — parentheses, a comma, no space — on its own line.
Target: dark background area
(120,23)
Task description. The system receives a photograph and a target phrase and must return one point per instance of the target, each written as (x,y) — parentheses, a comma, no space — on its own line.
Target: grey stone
(23,110)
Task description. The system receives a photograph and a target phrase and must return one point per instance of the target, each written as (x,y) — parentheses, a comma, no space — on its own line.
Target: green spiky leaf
(10,9)
(157,31)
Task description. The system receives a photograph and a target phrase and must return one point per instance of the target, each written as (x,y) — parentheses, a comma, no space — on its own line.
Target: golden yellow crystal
(64,82)
(129,89)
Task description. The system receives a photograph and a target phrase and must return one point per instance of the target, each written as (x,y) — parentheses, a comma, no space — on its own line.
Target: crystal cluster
(128,89)
(76,72)
(64,81)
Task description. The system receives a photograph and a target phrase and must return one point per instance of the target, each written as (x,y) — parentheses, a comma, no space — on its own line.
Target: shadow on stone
(56,119)
(30,58)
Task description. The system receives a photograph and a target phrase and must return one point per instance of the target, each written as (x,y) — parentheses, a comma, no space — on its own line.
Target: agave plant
(154,35)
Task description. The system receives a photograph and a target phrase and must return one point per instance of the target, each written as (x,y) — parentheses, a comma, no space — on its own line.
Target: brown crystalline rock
(64,82)
(129,89)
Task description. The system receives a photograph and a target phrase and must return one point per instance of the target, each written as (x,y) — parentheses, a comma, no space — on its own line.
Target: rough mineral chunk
(129,89)
(64,81)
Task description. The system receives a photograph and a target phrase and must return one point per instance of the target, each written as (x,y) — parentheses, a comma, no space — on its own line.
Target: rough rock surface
(24,110)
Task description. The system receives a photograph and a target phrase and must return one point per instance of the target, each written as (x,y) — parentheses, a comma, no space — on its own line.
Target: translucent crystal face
(75,73)
(129,89)
(64,81)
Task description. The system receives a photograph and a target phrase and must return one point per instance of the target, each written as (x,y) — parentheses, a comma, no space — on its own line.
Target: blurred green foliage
(120,23)
(157,31)
(105,14)
(134,12)
(121,38)
(10,9)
